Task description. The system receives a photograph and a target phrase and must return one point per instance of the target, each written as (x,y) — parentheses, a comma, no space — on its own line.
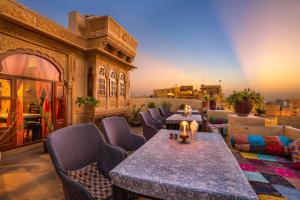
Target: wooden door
(7,114)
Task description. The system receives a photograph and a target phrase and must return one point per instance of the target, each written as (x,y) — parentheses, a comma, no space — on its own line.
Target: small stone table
(177,118)
(166,169)
(195,112)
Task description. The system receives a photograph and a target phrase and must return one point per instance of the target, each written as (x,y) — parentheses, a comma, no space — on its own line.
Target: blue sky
(191,41)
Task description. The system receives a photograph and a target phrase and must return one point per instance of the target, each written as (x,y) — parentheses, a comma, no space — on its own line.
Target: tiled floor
(31,176)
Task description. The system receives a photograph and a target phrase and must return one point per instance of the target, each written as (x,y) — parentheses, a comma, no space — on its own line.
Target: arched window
(101,82)
(28,65)
(122,85)
(113,83)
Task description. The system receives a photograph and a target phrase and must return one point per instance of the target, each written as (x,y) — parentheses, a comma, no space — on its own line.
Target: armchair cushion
(93,181)
(295,153)
(272,145)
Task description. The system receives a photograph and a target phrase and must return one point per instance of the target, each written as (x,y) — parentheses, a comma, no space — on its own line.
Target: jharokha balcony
(89,112)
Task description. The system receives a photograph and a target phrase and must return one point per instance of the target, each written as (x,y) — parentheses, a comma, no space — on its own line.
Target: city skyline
(252,44)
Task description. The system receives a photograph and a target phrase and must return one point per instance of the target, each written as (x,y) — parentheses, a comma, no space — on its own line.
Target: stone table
(195,112)
(175,119)
(203,169)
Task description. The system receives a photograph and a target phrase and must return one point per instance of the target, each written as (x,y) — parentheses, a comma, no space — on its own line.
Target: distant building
(289,107)
(212,91)
(176,92)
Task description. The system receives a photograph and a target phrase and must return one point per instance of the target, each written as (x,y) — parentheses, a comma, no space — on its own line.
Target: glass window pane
(5,88)
(5,113)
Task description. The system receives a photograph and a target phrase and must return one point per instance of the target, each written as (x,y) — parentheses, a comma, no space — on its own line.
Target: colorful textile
(272,145)
(295,153)
(271,177)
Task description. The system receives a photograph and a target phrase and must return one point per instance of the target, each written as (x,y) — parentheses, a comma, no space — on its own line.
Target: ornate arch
(36,53)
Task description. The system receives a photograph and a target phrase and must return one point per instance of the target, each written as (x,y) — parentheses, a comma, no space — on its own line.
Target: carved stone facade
(90,42)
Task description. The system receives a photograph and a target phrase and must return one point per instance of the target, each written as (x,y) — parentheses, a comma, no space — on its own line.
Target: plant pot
(212,105)
(205,104)
(244,107)
(135,123)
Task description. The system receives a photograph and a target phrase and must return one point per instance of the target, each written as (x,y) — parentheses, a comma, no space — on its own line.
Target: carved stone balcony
(105,33)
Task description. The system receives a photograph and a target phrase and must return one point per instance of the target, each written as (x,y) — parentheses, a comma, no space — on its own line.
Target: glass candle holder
(184,136)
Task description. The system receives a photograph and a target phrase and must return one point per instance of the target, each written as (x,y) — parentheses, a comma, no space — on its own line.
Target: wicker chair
(150,126)
(118,133)
(156,115)
(75,147)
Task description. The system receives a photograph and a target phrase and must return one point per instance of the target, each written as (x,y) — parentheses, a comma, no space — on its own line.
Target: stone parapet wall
(175,103)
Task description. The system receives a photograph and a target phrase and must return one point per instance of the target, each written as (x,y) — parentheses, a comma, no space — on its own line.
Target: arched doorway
(32,99)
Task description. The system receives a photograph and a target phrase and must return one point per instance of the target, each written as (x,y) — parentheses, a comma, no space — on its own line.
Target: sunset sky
(253,43)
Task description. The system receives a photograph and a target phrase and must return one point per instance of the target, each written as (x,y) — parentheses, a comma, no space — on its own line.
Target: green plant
(182,106)
(247,94)
(260,110)
(206,97)
(166,104)
(151,105)
(135,112)
(87,101)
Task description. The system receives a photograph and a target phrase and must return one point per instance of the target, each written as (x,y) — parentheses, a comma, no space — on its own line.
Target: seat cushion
(272,145)
(93,181)
(295,153)
(218,120)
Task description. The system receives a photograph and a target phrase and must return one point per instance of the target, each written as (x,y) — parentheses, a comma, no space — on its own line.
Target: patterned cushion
(272,145)
(295,153)
(93,181)
(218,120)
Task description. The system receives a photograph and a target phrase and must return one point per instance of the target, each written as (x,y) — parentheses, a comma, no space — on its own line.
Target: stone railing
(175,103)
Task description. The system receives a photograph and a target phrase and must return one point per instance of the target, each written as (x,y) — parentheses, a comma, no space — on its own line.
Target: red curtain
(17,65)
(36,67)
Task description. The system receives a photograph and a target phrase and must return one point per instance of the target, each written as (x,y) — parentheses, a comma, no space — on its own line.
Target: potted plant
(260,111)
(90,104)
(205,101)
(213,103)
(244,101)
(135,122)
(151,105)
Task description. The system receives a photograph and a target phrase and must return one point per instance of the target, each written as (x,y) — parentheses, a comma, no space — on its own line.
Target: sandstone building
(44,67)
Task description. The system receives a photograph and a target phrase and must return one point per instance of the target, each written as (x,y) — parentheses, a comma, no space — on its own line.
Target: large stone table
(166,169)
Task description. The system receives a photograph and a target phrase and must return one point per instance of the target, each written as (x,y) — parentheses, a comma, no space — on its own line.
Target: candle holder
(184,136)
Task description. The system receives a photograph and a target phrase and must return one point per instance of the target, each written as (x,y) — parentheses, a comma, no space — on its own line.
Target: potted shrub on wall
(205,101)
(244,101)
(260,111)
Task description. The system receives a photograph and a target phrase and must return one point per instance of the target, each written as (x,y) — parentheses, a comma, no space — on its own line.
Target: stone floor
(31,176)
